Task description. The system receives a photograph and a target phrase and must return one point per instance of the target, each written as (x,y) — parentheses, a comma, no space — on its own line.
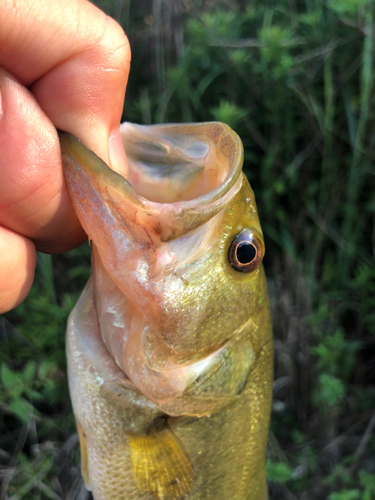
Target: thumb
(84,94)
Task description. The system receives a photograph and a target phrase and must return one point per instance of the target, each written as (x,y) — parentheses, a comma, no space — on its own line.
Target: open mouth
(179,176)
(170,163)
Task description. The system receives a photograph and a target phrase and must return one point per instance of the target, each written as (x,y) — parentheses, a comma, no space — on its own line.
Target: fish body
(170,345)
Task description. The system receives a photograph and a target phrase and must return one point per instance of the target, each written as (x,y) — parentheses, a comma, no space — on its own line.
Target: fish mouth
(179,177)
(181,163)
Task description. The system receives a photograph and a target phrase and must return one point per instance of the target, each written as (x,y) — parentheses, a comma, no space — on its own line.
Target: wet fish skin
(196,427)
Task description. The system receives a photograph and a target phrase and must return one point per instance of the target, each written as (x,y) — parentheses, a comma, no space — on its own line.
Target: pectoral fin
(160,464)
(84,457)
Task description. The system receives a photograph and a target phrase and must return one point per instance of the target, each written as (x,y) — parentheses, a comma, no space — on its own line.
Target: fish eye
(246,252)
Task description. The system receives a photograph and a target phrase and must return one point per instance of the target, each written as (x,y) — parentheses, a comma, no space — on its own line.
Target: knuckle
(114,47)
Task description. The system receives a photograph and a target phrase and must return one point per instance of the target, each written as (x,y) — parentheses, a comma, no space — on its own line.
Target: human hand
(63,64)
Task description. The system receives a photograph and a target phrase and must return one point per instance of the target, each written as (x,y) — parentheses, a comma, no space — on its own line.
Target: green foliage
(228,113)
(33,385)
(367,481)
(345,495)
(329,392)
(365,492)
(278,472)
(336,359)
(344,7)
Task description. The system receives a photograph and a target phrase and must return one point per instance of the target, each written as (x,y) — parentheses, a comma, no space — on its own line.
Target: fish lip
(119,183)
(167,220)
(216,193)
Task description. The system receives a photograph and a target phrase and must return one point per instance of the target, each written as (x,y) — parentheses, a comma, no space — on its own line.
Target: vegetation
(295,79)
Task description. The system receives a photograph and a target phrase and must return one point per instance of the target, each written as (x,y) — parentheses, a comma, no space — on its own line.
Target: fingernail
(117,155)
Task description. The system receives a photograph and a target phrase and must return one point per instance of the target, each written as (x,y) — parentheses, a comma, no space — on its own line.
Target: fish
(169,346)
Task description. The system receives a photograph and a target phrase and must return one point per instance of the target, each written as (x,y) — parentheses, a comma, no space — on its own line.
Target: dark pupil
(246,252)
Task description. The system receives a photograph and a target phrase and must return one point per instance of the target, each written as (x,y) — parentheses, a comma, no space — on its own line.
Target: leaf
(46,368)
(228,113)
(278,472)
(9,378)
(29,371)
(329,392)
(22,409)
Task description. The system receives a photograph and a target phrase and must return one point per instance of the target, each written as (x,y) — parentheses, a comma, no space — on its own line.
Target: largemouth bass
(170,345)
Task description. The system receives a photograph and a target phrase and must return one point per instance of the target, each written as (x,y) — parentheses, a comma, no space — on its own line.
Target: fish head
(180,288)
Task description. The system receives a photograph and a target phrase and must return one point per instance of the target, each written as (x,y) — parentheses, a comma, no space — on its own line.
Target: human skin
(63,64)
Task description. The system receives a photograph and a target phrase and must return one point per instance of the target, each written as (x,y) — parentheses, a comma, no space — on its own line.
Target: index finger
(75,59)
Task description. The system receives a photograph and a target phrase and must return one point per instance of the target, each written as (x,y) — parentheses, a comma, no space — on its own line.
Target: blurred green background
(295,79)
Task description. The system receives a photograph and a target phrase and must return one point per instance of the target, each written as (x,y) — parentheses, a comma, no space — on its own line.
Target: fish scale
(170,344)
